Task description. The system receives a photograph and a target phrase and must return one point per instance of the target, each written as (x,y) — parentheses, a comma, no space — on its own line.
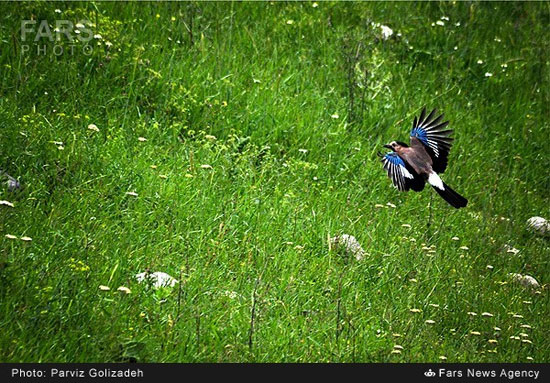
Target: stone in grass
(349,245)
(539,225)
(524,280)
(9,182)
(158,279)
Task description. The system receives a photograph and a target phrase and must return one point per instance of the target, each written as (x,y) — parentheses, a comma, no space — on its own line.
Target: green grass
(248,238)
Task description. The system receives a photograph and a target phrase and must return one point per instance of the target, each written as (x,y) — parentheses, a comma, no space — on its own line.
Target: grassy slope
(252,231)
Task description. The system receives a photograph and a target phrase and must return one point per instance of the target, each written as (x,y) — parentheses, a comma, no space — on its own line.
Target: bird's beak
(388,146)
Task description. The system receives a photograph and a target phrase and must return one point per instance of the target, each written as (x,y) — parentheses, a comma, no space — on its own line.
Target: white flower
(26,239)
(349,244)
(290,22)
(158,278)
(142,139)
(6,203)
(104,288)
(487,74)
(133,194)
(302,150)
(98,36)
(480,62)
(439,22)
(335,116)
(457,24)
(10,236)
(444,18)
(387,32)
(93,127)
(206,166)
(57,11)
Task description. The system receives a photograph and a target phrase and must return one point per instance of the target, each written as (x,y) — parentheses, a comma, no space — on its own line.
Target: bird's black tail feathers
(453,198)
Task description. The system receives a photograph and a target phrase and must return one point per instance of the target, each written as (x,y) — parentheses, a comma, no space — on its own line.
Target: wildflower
(434,305)
(290,22)
(104,288)
(429,321)
(504,65)
(490,267)
(387,32)
(464,248)
(493,341)
(158,279)
(457,24)
(397,335)
(206,166)
(406,225)
(335,116)
(475,333)
(439,22)
(142,139)
(314,5)
(26,239)
(525,326)
(486,314)
(444,18)
(93,127)
(378,206)
(189,175)
(523,335)
(80,26)
(398,347)
(57,11)
(519,316)
(455,238)
(487,74)
(153,166)
(526,341)
(163,176)
(471,313)
(480,62)
(172,18)
(124,290)
(10,236)
(394,351)
(133,194)
(415,310)
(210,137)
(497,40)
(6,203)
(443,357)
(349,244)
(455,48)
(98,36)
(302,151)
(391,205)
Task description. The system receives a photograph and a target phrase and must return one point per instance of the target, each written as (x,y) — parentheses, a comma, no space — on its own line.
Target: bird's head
(395,145)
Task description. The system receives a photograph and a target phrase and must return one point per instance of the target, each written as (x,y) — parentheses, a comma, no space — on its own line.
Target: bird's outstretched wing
(430,131)
(401,173)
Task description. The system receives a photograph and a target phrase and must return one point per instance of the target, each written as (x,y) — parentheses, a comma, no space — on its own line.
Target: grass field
(248,133)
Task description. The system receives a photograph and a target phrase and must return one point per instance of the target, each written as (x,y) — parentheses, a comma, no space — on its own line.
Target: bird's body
(410,167)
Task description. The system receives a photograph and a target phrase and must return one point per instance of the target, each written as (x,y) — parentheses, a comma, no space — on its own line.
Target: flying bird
(410,166)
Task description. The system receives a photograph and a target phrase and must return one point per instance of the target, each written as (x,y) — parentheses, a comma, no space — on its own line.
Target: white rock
(539,225)
(525,280)
(349,244)
(158,279)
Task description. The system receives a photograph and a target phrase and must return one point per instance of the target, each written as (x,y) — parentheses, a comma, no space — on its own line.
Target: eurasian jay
(409,167)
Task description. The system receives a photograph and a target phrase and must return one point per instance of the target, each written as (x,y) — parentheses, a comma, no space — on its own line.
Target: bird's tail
(453,198)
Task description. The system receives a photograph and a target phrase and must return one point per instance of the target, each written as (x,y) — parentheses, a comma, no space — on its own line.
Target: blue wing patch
(397,170)
(430,131)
